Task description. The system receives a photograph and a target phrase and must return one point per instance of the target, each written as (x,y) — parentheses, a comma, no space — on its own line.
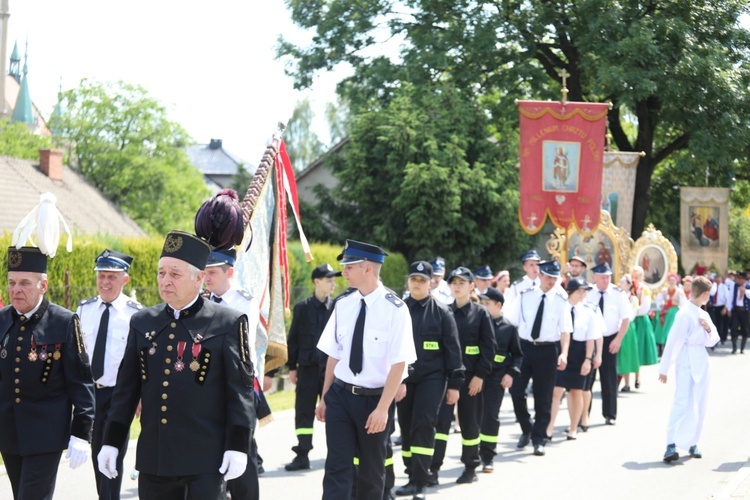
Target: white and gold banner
(704,216)
(618,186)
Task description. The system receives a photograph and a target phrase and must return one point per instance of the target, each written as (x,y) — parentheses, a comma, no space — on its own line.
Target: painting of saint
(704,226)
(561,166)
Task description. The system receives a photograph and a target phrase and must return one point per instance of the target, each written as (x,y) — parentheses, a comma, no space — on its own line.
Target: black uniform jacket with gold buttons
(43,402)
(436,342)
(189,417)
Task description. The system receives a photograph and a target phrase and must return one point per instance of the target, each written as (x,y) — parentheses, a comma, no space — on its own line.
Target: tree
(677,69)
(241,180)
(124,144)
(303,144)
(17,141)
(420,177)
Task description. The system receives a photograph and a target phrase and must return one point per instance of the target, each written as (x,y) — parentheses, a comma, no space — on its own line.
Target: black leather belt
(357,390)
(538,342)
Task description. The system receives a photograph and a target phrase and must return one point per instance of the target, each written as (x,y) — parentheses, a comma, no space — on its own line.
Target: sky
(211,63)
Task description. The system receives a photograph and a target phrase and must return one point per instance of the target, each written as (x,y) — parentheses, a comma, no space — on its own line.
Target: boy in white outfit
(691,333)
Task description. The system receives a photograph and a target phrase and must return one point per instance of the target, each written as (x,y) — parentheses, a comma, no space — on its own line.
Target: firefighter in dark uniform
(105,322)
(438,366)
(306,363)
(506,367)
(188,361)
(477,339)
(46,390)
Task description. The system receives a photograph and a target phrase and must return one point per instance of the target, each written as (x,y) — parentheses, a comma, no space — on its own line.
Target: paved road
(620,462)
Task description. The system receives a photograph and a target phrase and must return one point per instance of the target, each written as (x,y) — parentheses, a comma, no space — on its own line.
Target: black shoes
(523,440)
(539,450)
(488,467)
(406,490)
(671,454)
(625,388)
(609,421)
(695,452)
(300,462)
(467,476)
(433,479)
(420,493)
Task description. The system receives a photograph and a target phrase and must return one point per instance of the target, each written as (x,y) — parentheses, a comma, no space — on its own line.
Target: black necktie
(601,302)
(355,356)
(97,364)
(573,317)
(537,327)
(216,299)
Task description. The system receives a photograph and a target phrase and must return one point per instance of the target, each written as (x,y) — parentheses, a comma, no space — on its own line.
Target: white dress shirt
(242,301)
(443,293)
(556,318)
(518,286)
(90,312)
(388,337)
(589,324)
(616,307)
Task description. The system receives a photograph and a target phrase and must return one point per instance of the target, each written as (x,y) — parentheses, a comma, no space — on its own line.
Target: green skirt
(662,331)
(647,353)
(627,356)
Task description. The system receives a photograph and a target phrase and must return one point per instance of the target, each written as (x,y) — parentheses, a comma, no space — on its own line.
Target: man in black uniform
(306,363)
(45,379)
(438,366)
(506,367)
(188,361)
(477,340)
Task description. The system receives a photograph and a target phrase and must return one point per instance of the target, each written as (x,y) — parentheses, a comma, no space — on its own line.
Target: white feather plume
(43,225)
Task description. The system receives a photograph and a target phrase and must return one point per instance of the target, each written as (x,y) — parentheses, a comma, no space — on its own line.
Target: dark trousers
(718,320)
(492,395)
(417,416)
(608,379)
(108,489)
(32,477)
(246,486)
(346,437)
(469,418)
(195,487)
(739,326)
(309,387)
(539,363)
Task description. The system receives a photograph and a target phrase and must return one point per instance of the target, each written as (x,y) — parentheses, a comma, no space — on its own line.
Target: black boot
(300,462)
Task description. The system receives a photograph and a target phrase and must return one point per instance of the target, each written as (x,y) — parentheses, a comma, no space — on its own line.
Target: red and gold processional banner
(561,151)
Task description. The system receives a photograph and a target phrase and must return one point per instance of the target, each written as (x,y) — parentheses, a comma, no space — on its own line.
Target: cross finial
(564,75)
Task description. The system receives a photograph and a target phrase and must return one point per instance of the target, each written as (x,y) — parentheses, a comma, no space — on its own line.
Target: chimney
(214,144)
(50,163)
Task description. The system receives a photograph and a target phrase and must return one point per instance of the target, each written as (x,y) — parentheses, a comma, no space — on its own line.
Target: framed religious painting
(608,243)
(656,255)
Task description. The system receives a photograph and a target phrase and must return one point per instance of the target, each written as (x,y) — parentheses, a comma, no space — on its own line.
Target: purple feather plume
(219,220)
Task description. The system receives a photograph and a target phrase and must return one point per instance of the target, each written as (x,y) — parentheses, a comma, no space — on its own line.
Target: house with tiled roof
(217,165)
(84,207)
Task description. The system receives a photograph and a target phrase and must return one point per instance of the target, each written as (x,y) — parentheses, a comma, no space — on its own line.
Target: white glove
(78,452)
(234,464)
(107,460)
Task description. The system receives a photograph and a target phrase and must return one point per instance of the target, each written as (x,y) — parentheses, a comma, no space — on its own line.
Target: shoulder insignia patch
(617,288)
(528,290)
(87,301)
(518,282)
(345,293)
(244,293)
(134,305)
(393,299)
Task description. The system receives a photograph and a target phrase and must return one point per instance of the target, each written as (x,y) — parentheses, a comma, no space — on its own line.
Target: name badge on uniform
(430,346)
(472,350)
(499,358)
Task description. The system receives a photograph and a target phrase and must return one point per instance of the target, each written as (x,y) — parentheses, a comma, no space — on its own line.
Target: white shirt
(688,340)
(719,291)
(644,306)
(388,337)
(589,324)
(556,318)
(242,301)
(616,307)
(518,286)
(90,312)
(443,293)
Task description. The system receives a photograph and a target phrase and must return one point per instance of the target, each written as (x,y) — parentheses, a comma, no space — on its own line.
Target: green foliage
(420,176)
(80,264)
(125,145)
(303,144)
(17,141)
(739,239)
(678,70)
(241,180)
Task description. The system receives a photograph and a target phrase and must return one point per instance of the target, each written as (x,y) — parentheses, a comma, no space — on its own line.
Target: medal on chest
(32,353)
(194,364)
(179,365)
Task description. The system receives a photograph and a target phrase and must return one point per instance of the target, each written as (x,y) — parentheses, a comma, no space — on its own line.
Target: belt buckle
(356,390)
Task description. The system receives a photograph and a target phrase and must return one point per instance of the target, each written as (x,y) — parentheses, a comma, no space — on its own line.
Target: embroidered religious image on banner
(704,234)
(704,226)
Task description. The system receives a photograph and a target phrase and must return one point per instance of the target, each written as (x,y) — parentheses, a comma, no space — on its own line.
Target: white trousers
(689,405)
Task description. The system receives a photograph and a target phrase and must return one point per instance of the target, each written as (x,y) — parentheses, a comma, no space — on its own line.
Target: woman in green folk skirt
(627,357)
(644,329)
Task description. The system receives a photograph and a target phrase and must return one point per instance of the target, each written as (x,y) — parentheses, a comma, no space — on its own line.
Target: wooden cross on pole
(564,75)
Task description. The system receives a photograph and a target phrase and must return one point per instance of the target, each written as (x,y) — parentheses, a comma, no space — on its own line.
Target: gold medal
(194,365)
(32,356)
(56,355)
